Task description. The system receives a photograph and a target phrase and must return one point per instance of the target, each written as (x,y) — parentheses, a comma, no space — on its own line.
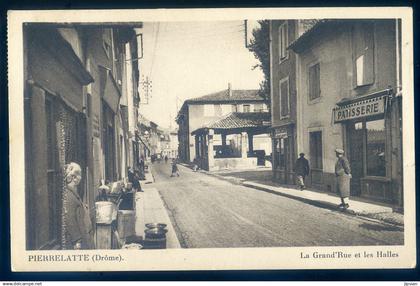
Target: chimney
(230,89)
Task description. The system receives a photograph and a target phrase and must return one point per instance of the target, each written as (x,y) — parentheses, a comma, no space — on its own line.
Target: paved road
(209,212)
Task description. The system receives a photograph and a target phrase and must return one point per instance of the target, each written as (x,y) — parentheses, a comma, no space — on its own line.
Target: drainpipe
(397,52)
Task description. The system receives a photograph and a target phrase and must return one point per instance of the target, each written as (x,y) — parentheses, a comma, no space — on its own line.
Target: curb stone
(384,217)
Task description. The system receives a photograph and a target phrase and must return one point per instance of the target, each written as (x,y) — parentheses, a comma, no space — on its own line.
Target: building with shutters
(76,110)
(349,96)
(284,94)
(201,112)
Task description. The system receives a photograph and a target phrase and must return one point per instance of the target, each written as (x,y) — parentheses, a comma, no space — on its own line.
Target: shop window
(375,148)
(363,50)
(284,97)
(314,82)
(315,145)
(279,153)
(234,108)
(282,41)
(247,108)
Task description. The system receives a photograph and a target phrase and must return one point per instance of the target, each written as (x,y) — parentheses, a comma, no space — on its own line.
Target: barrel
(126,223)
(104,212)
(155,238)
(154,243)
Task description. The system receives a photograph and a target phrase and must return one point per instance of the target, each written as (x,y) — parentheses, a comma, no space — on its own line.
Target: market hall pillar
(250,143)
(210,153)
(244,144)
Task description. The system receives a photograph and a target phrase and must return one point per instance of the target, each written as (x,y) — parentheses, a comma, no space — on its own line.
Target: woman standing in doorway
(79,230)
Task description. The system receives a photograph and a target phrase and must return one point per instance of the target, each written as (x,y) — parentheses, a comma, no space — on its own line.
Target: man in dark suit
(301,170)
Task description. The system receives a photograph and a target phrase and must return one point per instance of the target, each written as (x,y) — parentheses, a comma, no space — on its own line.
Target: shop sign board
(280,133)
(360,109)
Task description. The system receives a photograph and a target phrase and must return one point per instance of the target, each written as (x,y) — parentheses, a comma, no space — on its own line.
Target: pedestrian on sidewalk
(174,168)
(343,176)
(134,179)
(301,170)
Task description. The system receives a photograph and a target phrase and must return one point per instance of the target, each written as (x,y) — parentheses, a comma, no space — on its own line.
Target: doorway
(356,137)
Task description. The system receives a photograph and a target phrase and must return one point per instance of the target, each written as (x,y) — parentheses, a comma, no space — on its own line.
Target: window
(283,41)
(108,142)
(106,43)
(375,148)
(315,149)
(284,97)
(218,110)
(247,108)
(314,82)
(363,50)
(234,108)
(88,105)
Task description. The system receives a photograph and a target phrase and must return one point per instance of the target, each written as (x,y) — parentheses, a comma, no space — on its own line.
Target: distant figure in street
(174,168)
(301,170)
(141,164)
(343,176)
(166,159)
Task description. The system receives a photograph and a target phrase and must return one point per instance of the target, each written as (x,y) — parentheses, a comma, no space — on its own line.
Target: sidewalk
(150,208)
(148,177)
(325,200)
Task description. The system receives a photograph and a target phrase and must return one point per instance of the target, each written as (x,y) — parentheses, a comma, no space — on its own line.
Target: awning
(145,144)
(361,108)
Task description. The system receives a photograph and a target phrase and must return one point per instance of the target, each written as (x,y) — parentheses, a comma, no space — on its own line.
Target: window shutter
(280,42)
(363,48)
(284,101)
(314,82)
(368,67)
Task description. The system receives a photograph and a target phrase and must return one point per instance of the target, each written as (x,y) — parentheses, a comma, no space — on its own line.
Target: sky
(190,59)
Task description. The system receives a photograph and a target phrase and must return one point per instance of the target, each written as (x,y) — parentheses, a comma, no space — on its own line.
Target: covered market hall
(236,141)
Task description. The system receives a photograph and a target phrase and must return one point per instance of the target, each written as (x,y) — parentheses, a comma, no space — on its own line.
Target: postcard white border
(218,258)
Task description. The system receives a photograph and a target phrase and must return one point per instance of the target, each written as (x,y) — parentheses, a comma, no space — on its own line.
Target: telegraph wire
(154,49)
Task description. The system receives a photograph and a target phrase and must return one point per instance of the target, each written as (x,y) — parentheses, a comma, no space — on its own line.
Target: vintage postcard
(208,139)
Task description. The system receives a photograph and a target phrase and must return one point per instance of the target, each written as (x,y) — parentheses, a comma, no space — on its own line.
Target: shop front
(55,133)
(372,141)
(283,154)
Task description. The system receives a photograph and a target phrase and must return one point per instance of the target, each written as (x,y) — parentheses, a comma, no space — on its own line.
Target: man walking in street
(343,176)
(174,168)
(301,170)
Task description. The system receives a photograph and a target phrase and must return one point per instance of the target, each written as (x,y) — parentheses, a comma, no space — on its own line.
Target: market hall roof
(239,121)
(224,96)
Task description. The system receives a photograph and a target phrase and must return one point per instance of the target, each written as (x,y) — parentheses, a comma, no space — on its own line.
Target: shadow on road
(378,227)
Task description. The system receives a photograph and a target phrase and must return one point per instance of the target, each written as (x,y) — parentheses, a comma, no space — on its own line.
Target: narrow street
(208,212)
